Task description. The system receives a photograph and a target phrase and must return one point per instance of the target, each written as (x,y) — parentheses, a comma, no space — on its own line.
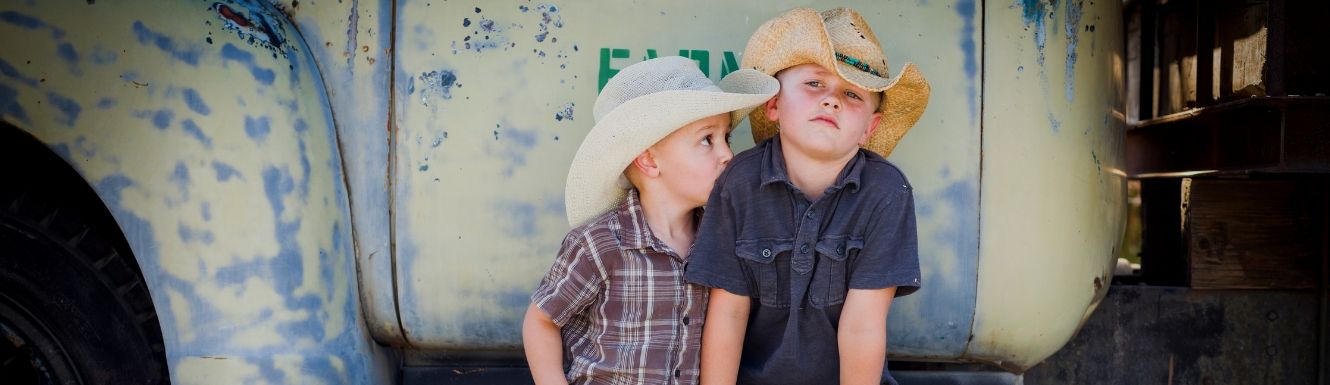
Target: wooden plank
(1254,234)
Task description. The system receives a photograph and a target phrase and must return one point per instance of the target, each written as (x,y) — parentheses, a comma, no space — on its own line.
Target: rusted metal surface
(205,129)
(492,101)
(352,45)
(1054,186)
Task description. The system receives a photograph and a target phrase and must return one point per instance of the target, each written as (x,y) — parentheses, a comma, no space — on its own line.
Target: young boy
(808,237)
(614,308)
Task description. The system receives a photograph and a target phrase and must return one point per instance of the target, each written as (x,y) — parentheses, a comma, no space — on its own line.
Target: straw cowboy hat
(840,39)
(641,105)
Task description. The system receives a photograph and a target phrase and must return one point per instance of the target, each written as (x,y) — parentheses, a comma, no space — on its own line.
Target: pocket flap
(838,247)
(762,250)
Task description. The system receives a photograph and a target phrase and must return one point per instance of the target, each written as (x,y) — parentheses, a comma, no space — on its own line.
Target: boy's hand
(723,337)
(863,335)
(544,347)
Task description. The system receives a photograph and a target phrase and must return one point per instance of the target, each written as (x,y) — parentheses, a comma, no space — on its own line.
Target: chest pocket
(835,254)
(762,260)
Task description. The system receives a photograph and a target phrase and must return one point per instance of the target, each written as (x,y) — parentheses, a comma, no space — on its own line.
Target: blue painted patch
(518,218)
(100,56)
(21,20)
(180,178)
(225,172)
(69,109)
(1033,13)
(194,131)
(9,104)
(205,209)
(232,53)
(81,143)
(195,102)
(566,113)
(10,72)
(62,150)
(1054,123)
(1072,28)
(513,147)
(162,118)
(438,82)
(67,53)
(105,103)
(189,55)
(188,235)
(301,126)
(276,184)
(257,128)
(966,10)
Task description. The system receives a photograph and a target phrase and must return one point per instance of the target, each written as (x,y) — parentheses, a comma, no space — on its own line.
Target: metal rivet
(840,250)
(803,248)
(766,253)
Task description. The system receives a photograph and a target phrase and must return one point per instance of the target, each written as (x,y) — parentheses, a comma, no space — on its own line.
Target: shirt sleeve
(890,256)
(572,284)
(713,262)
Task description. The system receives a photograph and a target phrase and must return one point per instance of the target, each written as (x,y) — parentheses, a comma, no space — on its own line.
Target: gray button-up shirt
(796,259)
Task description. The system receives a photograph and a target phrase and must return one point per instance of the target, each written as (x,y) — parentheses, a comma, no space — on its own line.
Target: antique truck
(318,191)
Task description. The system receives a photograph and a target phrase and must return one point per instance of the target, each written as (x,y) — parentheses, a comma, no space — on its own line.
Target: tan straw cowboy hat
(641,105)
(840,39)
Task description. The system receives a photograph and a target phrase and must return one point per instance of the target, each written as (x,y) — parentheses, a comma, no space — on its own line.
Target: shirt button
(676,373)
(840,250)
(803,248)
(766,253)
(810,214)
(685,320)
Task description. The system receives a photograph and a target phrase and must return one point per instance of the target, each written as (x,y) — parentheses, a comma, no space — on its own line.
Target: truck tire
(74,308)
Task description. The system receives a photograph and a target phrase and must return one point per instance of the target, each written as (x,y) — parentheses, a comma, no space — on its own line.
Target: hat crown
(648,77)
(851,36)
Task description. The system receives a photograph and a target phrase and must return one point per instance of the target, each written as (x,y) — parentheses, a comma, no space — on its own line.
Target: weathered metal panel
(352,42)
(493,99)
(206,130)
(1053,182)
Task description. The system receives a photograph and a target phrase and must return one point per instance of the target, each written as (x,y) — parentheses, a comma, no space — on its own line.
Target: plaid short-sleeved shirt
(625,313)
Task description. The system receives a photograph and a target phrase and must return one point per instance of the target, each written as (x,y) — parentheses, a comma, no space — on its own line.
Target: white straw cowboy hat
(839,39)
(641,105)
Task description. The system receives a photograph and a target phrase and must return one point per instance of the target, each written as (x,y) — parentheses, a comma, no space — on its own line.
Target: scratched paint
(496,171)
(1047,239)
(1072,27)
(236,211)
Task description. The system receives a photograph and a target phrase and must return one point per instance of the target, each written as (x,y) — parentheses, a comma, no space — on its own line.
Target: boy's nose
(831,102)
(725,155)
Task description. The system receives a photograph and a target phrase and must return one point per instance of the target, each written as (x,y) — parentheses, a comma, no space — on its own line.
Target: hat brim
(592,186)
(789,41)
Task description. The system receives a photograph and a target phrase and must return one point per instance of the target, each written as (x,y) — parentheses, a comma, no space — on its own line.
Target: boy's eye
(813,83)
(706,141)
(728,136)
(853,95)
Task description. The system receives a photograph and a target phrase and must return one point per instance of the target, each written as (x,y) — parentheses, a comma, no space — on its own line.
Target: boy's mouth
(825,119)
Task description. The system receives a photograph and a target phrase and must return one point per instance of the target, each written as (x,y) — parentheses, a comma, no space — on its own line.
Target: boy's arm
(862,335)
(544,347)
(723,337)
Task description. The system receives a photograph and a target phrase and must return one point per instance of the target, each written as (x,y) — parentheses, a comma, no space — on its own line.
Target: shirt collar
(633,231)
(773,167)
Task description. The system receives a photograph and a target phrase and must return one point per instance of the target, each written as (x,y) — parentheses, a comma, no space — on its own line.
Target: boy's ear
(770,108)
(645,163)
(872,127)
